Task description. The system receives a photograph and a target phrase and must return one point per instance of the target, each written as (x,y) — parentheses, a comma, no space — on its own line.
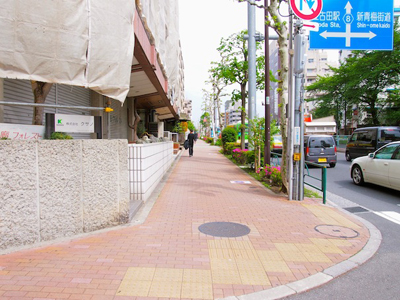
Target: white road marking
(389,215)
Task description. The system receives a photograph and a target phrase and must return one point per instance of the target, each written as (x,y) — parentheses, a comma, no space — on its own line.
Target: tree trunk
(243,117)
(40,92)
(282,31)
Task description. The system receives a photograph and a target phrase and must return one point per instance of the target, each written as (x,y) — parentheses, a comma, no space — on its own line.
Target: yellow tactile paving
(165,289)
(241,245)
(219,244)
(197,276)
(223,264)
(142,274)
(226,276)
(290,252)
(326,246)
(341,243)
(192,290)
(252,272)
(317,257)
(286,247)
(276,266)
(245,254)
(134,288)
(169,275)
(221,253)
(330,217)
(269,255)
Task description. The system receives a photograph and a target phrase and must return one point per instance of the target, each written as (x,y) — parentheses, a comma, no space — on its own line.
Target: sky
(202,24)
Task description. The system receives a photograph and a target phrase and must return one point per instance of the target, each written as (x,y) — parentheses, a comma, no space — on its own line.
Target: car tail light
(307,151)
(335,150)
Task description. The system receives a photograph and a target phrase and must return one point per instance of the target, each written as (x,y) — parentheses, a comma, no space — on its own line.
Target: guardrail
(275,161)
(322,188)
(341,140)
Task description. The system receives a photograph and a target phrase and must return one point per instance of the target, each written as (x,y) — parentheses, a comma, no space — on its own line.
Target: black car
(367,140)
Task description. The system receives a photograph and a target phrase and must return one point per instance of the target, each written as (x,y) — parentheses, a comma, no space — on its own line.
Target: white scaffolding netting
(78,42)
(162,19)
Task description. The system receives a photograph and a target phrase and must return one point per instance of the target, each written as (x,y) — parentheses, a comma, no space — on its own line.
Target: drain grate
(337,231)
(224,229)
(356,209)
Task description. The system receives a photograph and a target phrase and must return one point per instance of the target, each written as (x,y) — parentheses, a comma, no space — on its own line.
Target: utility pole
(298,128)
(251,15)
(267,145)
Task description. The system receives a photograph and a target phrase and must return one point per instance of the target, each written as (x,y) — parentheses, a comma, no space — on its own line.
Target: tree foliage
(233,69)
(276,21)
(228,135)
(362,80)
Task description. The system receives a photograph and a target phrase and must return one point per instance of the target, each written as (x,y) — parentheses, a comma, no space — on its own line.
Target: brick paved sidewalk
(167,257)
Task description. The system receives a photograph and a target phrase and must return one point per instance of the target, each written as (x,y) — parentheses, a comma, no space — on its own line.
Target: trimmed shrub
(60,136)
(228,135)
(250,156)
(239,155)
(273,174)
(209,140)
(229,148)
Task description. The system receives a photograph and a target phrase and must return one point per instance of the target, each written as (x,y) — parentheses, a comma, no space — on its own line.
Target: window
(323,59)
(387,152)
(322,142)
(311,60)
(366,136)
(390,135)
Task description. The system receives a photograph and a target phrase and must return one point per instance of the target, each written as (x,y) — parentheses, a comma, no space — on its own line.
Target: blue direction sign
(354,25)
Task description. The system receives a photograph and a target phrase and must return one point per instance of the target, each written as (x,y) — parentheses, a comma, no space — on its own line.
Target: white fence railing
(147,165)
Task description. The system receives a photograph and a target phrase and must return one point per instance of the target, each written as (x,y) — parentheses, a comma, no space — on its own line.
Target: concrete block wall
(52,189)
(148,163)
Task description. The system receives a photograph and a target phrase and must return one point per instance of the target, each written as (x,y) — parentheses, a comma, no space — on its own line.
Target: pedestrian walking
(192,140)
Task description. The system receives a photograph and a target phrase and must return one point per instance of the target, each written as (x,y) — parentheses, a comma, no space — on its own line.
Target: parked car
(277,144)
(320,149)
(367,140)
(381,167)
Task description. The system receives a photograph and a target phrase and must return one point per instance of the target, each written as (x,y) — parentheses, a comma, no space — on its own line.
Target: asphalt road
(378,277)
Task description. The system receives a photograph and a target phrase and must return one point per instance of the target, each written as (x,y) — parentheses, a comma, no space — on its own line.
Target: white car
(381,167)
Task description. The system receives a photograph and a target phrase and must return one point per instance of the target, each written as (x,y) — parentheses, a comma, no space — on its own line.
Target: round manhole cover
(337,231)
(224,229)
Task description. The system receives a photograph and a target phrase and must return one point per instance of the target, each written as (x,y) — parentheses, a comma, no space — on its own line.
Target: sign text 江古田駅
(354,25)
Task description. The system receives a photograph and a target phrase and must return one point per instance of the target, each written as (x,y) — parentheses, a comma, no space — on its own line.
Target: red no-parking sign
(306,9)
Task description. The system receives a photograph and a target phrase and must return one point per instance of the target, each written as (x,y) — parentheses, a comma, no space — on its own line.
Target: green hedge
(229,147)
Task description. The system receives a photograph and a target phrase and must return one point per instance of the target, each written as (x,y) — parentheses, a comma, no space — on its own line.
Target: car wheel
(357,175)
(348,157)
(332,165)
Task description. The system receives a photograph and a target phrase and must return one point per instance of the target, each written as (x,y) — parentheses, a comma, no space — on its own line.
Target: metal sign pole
(299,63)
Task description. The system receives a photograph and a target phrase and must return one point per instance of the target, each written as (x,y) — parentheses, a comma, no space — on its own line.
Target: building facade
(156,89)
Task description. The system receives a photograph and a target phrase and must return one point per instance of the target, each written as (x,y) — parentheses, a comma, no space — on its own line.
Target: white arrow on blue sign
(354,25)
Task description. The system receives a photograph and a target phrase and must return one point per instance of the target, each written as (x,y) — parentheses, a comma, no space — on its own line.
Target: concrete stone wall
(52,189)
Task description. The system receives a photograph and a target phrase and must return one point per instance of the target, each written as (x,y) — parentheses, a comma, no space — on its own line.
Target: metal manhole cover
(337,231)
(224,229)
(355,209)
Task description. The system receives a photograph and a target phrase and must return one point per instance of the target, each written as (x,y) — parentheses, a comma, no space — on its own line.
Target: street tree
(233,69)
(218,84)
(276,21)
(40,91)
(367,80)
(205,122)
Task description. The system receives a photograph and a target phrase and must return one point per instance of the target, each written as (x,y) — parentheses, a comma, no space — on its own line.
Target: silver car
(381,167)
